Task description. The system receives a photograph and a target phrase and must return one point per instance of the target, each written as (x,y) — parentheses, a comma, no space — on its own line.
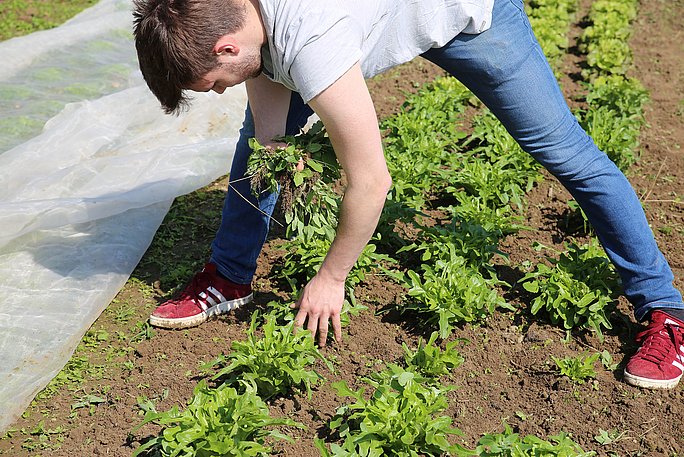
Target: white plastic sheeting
(89,166)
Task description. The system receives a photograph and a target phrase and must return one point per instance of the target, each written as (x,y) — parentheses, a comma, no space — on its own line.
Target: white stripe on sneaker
(205,301)
(678,365)
(217,294)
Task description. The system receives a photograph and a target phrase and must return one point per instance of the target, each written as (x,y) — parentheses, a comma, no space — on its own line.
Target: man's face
(228,74)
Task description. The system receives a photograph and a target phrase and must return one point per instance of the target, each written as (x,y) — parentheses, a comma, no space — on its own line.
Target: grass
(21,17)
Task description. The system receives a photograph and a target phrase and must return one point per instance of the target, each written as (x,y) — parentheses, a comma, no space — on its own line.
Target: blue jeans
(505,67)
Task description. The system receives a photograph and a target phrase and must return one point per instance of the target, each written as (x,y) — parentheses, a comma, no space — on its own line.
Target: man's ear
(227,44)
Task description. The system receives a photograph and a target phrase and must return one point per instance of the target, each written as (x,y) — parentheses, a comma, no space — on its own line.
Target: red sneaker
(659,362)
(207,295)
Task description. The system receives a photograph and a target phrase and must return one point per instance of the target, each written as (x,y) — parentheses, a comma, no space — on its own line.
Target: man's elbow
(381,185)
(386,183)
(373,187)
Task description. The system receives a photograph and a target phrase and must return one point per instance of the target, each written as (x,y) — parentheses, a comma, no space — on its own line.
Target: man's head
(191,44)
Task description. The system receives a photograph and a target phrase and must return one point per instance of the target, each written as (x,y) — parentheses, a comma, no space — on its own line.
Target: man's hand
(321,302)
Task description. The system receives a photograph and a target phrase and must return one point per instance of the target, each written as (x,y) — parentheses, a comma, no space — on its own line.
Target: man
(303,56)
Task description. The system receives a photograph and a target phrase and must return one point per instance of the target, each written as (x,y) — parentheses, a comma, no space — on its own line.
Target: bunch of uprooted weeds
(298,170)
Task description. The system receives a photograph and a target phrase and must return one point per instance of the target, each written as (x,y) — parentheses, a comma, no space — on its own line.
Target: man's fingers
(312,325)
(322,332)
(337,327)
(300,318)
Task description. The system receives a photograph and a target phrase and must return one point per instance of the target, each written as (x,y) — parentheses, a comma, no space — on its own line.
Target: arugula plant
(577,290)
(617,136)
(606,40)
(420,140)
(497,185)
(491,141)
(494,220)
(579,368)
(615,117)
(550,20)
(493,167)
(305,256)
(451,292)
(509,444)
(400,418)
(625,96)
(274,364)
(222,421)
(284,312)
(431,361)
(463,238)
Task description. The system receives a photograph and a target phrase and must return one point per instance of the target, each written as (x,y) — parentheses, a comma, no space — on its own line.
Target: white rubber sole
(197,319)
(647,383)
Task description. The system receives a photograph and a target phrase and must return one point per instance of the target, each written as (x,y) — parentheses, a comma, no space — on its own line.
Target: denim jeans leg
(245,218)
(505,67)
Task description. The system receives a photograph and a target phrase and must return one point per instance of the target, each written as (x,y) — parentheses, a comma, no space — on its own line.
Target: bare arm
(270,103)
(349,116)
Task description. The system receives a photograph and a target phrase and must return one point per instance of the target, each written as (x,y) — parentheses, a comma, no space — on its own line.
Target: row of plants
(613,117)
(474,185)
(615,102)
(551,20)
(228,413)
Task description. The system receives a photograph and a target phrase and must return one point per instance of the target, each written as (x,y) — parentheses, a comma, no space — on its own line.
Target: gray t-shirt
(312,43)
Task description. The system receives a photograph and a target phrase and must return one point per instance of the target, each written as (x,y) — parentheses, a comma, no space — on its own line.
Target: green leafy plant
(275,363)
(429,360)
(579,368)
(451,292)
(283,312)
(625,96)
(309,203)
(578,290)
(615,117)
(606,40)
(398,419)
(305,256)
(494,220)
(509,444)
(607,361)
(497,185)
(469,240)
(606,437)
(491,141)
(420,140)
(222,421)
(615,135)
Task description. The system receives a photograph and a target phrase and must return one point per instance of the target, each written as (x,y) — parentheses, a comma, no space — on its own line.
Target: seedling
(579,368)
(429,360)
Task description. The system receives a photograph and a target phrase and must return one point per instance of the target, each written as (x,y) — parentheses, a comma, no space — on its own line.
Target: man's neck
(254,25)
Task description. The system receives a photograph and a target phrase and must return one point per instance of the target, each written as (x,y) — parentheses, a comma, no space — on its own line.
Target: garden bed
(508,375)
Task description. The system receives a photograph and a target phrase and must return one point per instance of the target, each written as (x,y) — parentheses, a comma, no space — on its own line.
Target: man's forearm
(270,103)
(359,214)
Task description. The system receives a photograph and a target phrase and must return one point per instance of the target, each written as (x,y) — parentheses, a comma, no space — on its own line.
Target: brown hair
(174,40)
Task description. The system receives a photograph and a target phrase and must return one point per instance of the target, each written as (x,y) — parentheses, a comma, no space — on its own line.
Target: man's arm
(348,114)
(269,103)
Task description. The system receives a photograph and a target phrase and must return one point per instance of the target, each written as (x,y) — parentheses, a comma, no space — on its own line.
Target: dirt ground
(507,374)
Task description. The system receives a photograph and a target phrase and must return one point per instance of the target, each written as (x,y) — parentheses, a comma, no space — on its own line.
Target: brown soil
(507,373)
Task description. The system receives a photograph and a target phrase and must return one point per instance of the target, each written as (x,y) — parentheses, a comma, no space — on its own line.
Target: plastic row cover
(89,166)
